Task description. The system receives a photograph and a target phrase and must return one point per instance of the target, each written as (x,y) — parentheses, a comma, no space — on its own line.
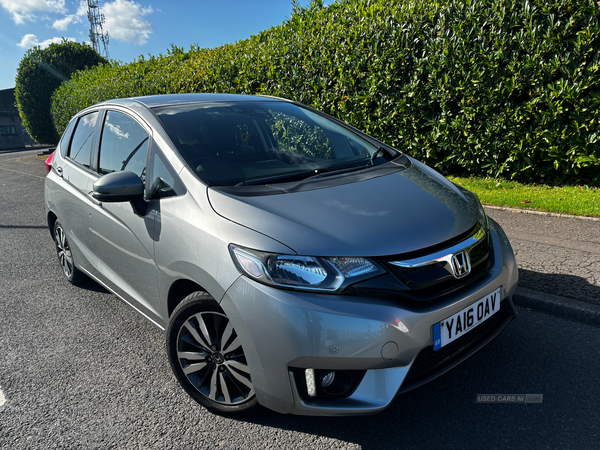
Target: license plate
(450,329)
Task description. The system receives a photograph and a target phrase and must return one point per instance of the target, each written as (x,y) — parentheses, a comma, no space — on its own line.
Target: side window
(124,145)
(81,145)
(66,137)
(165,183)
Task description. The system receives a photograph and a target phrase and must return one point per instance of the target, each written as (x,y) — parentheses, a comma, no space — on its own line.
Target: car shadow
(564,285)
(93,286)
(39,227)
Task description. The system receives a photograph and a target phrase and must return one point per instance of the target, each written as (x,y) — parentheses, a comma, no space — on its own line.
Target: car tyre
(207,358)
(65,256)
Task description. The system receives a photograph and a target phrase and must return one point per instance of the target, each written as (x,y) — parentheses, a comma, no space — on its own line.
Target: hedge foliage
(40,72)
(500,87)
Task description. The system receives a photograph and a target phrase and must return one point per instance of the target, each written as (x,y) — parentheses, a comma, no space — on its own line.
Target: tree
(40,73)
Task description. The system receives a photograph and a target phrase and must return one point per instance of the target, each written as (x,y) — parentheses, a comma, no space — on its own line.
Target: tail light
(49,162)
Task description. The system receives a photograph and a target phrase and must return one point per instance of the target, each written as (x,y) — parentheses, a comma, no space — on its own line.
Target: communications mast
(98,36)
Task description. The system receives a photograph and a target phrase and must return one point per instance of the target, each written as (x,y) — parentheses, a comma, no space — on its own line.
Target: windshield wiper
(328,173)
(323,172)
(278,178)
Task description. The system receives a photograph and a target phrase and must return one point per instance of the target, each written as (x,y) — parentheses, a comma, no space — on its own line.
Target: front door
(122,239)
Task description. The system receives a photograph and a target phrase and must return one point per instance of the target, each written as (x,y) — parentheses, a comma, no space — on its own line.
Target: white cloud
(116,129)
(62,24)
(81,14)
(31,40)
(22,10)
(125,21)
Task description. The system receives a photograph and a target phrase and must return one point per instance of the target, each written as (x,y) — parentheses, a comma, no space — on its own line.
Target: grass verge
(576,200)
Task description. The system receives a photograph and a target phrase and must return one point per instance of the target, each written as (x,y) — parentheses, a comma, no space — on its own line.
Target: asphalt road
(80,369)
(558,256)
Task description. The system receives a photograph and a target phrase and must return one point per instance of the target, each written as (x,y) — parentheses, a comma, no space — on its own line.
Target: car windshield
(231,143)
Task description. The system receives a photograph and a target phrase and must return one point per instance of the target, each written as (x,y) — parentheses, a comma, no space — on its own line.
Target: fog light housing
(328,379)
(339,383)
(320,384)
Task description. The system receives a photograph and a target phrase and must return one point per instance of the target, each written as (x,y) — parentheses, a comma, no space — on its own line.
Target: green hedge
(494,87)
(40,72)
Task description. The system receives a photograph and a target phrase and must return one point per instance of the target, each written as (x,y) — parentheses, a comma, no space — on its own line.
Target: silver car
(293,261)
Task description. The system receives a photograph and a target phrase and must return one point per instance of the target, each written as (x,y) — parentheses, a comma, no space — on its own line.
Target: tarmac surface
(559,262)
(558,255)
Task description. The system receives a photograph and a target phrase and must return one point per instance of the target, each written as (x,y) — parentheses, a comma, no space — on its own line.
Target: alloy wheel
(212,358)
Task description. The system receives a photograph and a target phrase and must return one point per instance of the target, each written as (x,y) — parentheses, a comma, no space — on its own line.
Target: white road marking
(23,173)
(2,398)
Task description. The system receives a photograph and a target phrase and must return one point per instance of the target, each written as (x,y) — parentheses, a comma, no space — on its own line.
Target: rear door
(73,204)
(122,239)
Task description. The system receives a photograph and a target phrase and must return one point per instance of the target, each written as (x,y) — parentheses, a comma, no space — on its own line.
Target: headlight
(302,272)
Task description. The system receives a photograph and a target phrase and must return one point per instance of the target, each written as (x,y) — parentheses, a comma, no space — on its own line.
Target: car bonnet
(393,214)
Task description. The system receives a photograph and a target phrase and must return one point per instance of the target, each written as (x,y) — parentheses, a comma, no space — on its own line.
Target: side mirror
(118,187)
(122,186)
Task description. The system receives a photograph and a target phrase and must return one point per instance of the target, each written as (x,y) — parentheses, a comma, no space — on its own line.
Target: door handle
(59,171)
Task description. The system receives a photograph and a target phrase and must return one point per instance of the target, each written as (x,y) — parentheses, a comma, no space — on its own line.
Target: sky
(135,27)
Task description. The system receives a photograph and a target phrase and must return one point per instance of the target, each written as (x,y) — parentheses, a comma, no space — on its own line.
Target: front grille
(433,282)
(430,363)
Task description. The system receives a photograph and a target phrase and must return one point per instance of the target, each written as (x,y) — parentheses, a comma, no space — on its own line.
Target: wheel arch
(51,221)
(179,290)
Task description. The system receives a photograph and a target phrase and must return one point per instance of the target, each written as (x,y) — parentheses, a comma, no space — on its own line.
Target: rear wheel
(207,357)
(65,257)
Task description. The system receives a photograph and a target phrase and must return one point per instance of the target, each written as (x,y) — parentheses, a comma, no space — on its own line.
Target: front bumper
(281,330)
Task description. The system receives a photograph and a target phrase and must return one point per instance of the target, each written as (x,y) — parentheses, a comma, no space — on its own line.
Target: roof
(153,101)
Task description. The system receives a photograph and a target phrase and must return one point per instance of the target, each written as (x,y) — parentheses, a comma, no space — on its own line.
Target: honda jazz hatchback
(293,261)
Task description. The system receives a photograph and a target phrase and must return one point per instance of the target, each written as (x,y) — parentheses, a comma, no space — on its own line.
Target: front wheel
(207,357)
